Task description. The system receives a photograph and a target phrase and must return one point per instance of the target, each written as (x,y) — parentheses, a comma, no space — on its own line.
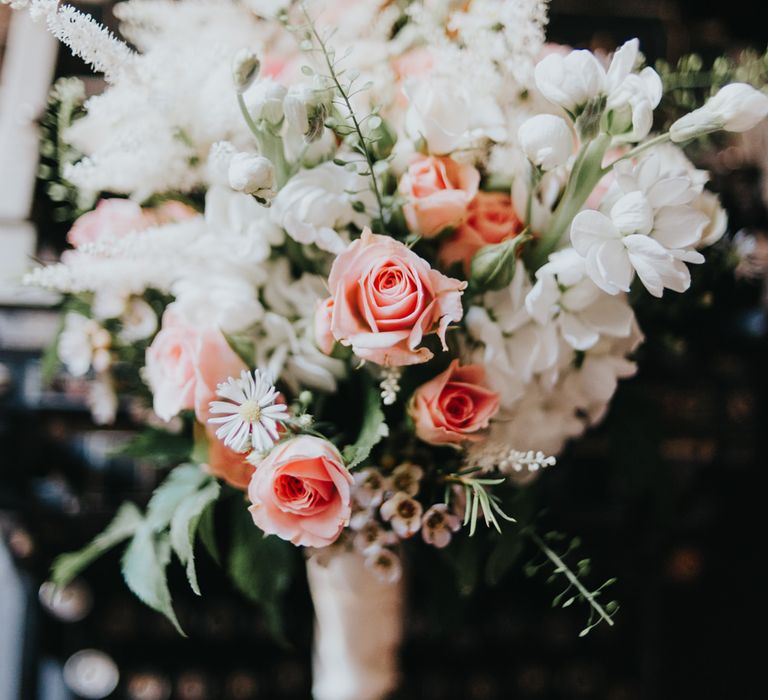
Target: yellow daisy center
(250,411)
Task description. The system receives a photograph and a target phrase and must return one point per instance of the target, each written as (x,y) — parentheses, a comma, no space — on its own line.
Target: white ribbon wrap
(358,629)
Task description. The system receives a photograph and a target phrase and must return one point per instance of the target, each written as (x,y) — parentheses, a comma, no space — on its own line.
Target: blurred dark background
(667,495)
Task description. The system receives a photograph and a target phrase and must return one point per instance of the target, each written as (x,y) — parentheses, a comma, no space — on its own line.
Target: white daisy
(250,415)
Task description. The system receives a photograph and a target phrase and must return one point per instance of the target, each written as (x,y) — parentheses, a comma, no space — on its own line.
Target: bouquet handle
(358,629)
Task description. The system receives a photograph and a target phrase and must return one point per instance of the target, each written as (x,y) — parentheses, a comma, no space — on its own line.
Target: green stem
(363,145)
(637,150)
(270,145)
(586,173)
(561,567)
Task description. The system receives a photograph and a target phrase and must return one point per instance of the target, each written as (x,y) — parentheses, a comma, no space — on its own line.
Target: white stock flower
(252,174)
(546,140)
(314,203)
(245,68)
(565,296)
(437,113)
(265,99)
(249,416)
(736,107)
(709,205)
(650,230)
(572,80)
(576,79)
(515,347)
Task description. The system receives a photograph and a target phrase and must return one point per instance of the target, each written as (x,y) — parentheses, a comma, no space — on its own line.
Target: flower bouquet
(363,268)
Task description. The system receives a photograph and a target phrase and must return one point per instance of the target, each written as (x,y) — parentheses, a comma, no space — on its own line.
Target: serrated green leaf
(372,431)
(67,566)
(144,564)
(184,526)
(261,567)
(182,482)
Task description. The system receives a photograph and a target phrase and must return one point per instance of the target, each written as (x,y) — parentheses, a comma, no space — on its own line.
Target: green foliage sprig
(346,124)
(479,499)
(575,590)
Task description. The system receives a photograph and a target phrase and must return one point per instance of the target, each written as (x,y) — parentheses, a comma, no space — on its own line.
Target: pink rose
(227,464)
(386,299)
(454,406)
(172,211)
(437,192)
(112,218)
(414,63)
(184,365)
(491,218)
(323,336)
(301,492)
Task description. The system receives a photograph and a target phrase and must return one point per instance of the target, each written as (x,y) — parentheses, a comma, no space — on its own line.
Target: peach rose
(301,492)
(491,218)
(323,336)
(184,364)
(414,63)
(454,406)
(227,464)
(112,218)
(386,299)
(172,211)
(437,193)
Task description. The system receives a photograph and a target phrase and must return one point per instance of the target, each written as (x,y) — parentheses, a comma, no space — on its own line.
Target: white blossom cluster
(221,98)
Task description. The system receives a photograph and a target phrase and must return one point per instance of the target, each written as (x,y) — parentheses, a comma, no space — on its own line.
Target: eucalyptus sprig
(575,590)
(479,499)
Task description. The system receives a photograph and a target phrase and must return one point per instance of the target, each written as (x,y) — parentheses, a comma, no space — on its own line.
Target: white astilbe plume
(508,34)
(85,37)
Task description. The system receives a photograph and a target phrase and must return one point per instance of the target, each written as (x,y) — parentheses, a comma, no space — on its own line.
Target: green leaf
(144,564)
(157,446)
(184,526)
(67,566)
(493,266)
(502,558)
(261,567)
(181,483)
(207,533)
(372,431)
(243,346)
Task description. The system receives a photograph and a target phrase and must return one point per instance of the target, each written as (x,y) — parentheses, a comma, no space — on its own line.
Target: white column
(358,630)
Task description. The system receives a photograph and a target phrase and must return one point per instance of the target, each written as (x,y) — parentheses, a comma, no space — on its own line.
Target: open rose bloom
(380,323)
(302,492)
(453,407)
(386,299)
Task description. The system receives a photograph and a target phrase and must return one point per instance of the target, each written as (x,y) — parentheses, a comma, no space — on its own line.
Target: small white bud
(546,140)
(265,101)
(253,175)
(736,107)
(245,68)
